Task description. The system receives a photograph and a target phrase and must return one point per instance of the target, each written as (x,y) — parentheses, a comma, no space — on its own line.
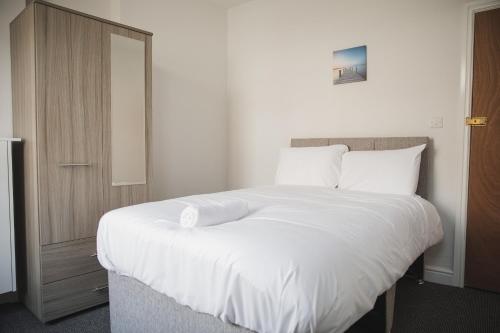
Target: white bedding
(306,259)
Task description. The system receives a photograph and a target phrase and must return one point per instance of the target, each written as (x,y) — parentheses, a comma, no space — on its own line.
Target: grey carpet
(419,309)
(14,318)
(436,308)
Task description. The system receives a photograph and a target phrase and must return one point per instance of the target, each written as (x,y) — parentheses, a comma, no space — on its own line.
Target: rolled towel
(203,211)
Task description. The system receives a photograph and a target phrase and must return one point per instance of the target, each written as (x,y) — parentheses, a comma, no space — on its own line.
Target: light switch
(436,122)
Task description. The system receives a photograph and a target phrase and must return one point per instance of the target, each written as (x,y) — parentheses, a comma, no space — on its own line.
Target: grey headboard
(377,144)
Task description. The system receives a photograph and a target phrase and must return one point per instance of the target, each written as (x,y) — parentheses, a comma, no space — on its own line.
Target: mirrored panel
(128,116)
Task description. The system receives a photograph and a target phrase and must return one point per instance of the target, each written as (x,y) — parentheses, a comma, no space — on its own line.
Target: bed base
(135,307)
(416,270)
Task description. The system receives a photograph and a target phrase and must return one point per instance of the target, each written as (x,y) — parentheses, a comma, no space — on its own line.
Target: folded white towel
(203,211)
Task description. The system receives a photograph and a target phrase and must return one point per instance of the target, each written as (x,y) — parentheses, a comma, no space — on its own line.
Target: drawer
(67,296)
(64,260)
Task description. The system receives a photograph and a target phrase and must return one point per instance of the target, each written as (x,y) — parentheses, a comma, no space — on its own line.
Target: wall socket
(436,122)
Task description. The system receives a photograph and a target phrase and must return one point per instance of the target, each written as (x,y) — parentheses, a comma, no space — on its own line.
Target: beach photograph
(349,65)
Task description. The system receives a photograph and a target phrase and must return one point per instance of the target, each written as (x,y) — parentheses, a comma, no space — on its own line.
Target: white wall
(189,93)
(280,86)
(8,11)
(100,8)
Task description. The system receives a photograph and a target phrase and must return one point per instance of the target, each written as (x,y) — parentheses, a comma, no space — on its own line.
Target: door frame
(466,91)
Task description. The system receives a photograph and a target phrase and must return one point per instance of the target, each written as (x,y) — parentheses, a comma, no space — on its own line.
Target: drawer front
(67,296)
(64,260)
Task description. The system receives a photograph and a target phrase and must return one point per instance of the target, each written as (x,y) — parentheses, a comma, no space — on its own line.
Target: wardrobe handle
(101,288)
(93,255)
(65,165)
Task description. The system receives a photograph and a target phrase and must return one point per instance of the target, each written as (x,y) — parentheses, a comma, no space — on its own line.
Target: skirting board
(439,275)
(10,297)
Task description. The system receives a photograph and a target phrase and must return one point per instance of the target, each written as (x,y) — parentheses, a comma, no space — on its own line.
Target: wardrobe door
(69,126)
(127,116)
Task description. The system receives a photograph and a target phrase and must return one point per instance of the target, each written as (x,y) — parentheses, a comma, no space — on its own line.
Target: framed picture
(349,65)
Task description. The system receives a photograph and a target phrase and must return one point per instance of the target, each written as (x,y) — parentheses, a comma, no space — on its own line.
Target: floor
(427,308)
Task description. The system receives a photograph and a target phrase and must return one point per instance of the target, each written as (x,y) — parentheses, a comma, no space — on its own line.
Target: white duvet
(306,259)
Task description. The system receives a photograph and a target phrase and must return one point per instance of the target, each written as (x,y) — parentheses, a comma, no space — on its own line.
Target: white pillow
(315,166)
(382,171)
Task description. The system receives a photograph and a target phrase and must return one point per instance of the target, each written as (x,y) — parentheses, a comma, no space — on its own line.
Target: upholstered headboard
(377,144)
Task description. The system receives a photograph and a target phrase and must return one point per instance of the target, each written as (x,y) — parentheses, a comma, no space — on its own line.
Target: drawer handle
(93,255)
(101,288)
(66,165)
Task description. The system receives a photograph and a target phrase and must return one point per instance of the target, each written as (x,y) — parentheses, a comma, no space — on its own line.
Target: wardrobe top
(49,4)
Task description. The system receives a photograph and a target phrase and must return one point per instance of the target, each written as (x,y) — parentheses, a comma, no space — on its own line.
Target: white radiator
(7,246)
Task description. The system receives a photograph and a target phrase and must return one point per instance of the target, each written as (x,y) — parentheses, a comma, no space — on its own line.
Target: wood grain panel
(482,264)
(71,295)
(68,259)
(308,142)
(120,196)
(354,143)
(22,48)
(68,68)
(57,74)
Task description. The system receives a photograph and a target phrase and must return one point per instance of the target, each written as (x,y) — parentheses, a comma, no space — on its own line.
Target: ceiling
(229,3)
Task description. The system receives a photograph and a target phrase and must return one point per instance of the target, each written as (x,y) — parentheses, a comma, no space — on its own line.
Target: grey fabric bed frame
(136,308)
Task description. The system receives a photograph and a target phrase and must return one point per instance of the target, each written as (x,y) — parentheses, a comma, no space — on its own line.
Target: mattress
(306,259)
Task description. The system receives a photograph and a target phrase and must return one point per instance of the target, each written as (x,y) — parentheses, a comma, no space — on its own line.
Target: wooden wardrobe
(66,107)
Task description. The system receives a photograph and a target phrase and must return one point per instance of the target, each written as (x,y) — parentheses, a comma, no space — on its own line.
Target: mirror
(128,111)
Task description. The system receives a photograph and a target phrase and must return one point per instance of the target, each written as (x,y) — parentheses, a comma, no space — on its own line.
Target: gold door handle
(476,121)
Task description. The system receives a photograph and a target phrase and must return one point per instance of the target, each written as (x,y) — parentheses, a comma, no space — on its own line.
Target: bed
(283,268)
